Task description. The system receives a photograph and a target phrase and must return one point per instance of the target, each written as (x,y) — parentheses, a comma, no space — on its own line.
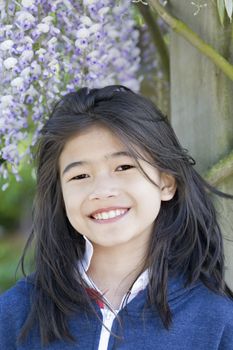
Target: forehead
(90,145)
(98,136)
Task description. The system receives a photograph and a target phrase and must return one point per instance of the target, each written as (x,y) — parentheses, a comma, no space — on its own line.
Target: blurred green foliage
(10,252)
(16,199)
(15,219)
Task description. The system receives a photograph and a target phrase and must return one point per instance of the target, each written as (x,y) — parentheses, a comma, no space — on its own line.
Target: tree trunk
(202,102)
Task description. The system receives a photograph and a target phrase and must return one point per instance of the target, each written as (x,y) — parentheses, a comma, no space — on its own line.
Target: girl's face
(106,197)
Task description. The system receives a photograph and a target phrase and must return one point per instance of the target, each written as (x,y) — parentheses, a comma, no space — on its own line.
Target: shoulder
(14,308)
(215,307)
(199,310)
(20,291)
(219,313)
(198,301)
(15,302)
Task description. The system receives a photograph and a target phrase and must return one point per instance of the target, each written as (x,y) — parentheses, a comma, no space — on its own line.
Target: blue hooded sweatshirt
(202,320)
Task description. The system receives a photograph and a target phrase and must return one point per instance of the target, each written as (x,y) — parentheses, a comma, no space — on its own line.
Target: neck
(114,270)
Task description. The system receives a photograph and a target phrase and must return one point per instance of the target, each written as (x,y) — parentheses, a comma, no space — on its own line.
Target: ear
(167,186)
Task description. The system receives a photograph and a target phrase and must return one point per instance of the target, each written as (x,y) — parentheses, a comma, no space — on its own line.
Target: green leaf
(137,16)
(36,46)
(221,10)
(229,7)
(2,160)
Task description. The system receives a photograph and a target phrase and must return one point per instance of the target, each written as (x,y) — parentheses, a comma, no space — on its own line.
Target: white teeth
(110,214)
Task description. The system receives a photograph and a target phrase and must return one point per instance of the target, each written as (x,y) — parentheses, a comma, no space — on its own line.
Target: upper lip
(106,210)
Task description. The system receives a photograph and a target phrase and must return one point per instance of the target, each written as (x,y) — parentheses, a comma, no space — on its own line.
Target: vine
(181,28)
(221,170)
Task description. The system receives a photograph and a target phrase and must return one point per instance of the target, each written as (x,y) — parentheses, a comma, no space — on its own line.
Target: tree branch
(221,170)
(182,29)
(157,38)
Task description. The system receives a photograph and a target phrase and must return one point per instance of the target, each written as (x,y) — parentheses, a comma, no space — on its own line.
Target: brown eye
(125,167)
(79,177)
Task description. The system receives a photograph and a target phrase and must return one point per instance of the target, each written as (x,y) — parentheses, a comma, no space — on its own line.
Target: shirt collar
(84,264)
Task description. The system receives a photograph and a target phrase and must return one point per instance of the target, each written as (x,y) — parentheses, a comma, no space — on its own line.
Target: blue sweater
(202,320)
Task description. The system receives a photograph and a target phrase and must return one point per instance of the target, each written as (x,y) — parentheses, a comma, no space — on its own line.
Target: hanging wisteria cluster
(51,47)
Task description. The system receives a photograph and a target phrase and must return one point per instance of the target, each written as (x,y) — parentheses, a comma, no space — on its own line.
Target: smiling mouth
(110,216)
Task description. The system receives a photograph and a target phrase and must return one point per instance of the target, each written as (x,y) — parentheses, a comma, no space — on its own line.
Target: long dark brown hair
(186,238)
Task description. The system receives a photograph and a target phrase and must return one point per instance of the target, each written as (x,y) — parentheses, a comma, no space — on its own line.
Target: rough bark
(202,102)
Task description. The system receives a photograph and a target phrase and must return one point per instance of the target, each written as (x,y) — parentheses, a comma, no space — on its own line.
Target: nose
(104,188)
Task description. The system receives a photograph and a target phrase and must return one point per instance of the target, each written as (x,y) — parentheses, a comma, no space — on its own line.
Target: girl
(128,249)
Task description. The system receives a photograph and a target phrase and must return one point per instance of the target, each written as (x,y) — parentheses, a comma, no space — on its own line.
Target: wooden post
(202,101)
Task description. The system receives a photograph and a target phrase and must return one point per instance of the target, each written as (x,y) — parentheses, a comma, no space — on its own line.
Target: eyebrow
(85,162)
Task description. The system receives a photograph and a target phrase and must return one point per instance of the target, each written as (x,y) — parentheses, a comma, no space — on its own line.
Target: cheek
(73,213)
(148,199)
(72,203)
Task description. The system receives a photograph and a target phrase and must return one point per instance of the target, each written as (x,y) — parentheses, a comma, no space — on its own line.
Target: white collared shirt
(108,315)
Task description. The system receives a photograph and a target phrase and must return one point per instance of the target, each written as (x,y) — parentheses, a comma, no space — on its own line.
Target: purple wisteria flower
(51,47)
